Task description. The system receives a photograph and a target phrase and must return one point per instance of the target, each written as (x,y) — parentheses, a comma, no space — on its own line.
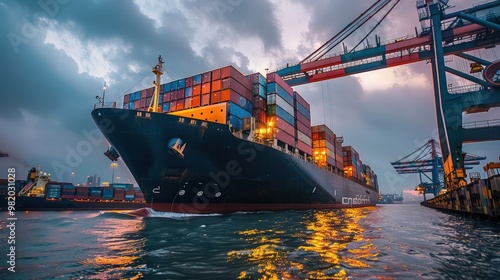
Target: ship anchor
(178,149)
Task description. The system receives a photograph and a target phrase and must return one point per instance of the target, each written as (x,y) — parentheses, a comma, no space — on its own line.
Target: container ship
(391,198)
(39,192)
(222,142)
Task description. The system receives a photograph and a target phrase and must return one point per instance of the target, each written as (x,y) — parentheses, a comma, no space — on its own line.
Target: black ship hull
(217,172)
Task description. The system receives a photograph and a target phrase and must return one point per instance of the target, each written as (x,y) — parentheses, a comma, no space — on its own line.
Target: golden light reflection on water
(117,249)
(331,242)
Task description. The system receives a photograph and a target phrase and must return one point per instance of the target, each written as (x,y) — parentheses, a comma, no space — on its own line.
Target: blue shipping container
(166,107)
(188,92)
(275,88)
(181,83)
(95,191)
(197,79)
(237,111)
(131,105)
(234,121)
(173,85)
(166,87)
(137,95)
(303,111)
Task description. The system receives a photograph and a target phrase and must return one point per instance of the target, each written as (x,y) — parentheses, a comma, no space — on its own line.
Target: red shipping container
(339,165)
(188,102)
(227,71)
(301,118)
(166,97)
(206,77)
(173,106)
(150,92)
(285,137)
(322,135)
(216,85)
(126,98)
(302,101)
(215,97)
(232,83)
(196,101)
(281,124)
(144,93)
(196,90)
(216,74)
(180,93)
(260,115)
(205,99)
(304,147)
(189,82)
(230,71)
(205,88)
(273,77)
(304,129)
(259,102)
(142,103)
(180,105)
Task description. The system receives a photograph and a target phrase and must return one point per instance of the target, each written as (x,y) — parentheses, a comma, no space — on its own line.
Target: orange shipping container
(173,106)
(215,97)
(180,105)
(216,74)
(188,102)
(205,99)
(196,90)
(205,88)
(196,101)
(216,85)
(225,95)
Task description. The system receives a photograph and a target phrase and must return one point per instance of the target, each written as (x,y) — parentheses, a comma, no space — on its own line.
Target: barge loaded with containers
(222,142)
(39,192)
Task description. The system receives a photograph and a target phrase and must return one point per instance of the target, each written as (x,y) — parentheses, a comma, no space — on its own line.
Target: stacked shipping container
(326,148)
(302,113)
(117,192)
(259,100)
(370,176)
(353,167)
(280,110)
(213,87)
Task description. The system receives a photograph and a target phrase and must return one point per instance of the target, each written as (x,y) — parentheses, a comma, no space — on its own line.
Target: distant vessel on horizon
(391,198)
(39,192)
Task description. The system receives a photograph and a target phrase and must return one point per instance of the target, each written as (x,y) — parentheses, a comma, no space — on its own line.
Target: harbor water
(405,241)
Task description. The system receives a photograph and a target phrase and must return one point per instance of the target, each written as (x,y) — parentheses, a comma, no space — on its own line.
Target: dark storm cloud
(243,18)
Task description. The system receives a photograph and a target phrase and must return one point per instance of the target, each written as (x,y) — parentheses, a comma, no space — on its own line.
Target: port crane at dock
(427,159)
(441,35)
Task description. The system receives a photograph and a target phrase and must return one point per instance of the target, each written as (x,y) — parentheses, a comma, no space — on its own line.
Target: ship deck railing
(105,105)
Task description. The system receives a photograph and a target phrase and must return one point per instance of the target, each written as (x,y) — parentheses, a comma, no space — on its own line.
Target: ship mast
(158,71)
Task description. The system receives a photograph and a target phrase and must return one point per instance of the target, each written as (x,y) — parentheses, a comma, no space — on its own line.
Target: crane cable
(376,25)
(349,29)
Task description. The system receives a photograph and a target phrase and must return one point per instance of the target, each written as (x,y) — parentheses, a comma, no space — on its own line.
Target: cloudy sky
(57,54)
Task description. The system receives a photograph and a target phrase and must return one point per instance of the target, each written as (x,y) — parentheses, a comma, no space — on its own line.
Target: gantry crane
(441,35)
(427,159)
